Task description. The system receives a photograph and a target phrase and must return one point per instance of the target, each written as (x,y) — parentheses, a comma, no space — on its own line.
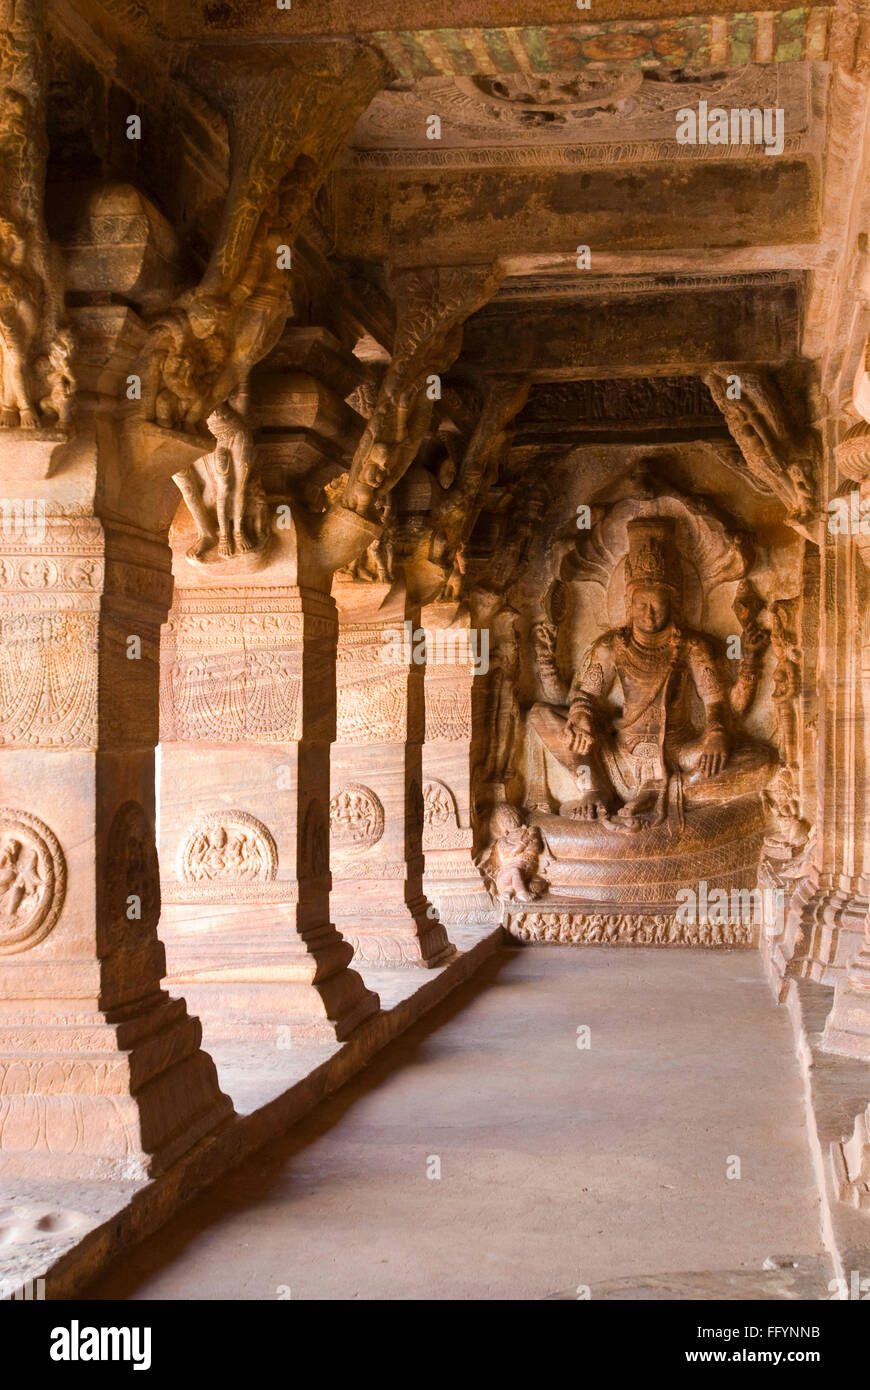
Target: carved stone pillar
(457,662)
(376,808)
(248,716)
(825,918)
(847,1030)
(101,1073)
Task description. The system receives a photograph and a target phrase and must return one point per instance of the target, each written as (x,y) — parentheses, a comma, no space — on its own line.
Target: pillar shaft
(376,809)
(824,922)
(101,1073)
(847,1030)
(248,718)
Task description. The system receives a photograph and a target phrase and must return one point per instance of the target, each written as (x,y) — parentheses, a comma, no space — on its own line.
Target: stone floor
(560,1166)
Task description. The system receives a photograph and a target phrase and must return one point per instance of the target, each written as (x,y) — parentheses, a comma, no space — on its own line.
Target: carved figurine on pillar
(223,493)
(786,676)
(503,711)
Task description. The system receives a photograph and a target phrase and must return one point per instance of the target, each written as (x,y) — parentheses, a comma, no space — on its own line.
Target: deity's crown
(653,557)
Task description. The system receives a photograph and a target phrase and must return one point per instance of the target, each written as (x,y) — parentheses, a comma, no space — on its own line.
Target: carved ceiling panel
(599,107)
(640,402)
(708,41)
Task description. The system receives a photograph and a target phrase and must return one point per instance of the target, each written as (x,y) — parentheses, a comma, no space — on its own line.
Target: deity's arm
(755,641)
(544,638)
(594,681)
(709,683)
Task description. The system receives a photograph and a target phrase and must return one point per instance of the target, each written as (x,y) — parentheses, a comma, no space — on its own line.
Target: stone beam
(660,334)
(838,291)
(448,215)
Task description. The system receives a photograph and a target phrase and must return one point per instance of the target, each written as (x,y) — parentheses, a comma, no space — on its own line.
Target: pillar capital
(286,124)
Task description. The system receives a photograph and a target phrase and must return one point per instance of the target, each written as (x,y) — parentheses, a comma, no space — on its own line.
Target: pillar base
(847,1031)
(824,927)
(282,1011)
(85,1097)
(403,935)
(460,901)
(851,1164)
(251,976)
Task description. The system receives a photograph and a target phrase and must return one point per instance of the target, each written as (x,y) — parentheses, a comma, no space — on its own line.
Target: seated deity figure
(638,766)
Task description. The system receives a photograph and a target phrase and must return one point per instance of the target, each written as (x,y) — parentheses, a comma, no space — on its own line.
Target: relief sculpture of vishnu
(676,738)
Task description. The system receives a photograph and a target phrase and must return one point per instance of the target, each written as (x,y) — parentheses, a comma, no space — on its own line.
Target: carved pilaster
(824,921)
(847,1030)
(101,1073)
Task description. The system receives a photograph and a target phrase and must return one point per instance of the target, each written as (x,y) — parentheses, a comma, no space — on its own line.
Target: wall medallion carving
(438,806)
(32,880)
(228,848)
(440,820)
(356,819)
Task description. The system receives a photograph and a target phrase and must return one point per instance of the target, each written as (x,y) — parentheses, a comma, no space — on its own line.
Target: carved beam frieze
(535,37)
(562,409)
(657,335)
(517,211)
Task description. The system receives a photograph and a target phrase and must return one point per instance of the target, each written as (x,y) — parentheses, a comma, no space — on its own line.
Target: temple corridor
(560,1165)
(434,661)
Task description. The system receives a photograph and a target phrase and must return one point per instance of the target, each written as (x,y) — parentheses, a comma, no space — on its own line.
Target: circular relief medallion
(437,805)
(38,574)
(228,847)
(32,880)
(356,819)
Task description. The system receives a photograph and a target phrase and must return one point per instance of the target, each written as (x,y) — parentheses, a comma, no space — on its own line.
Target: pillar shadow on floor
(252,1180)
